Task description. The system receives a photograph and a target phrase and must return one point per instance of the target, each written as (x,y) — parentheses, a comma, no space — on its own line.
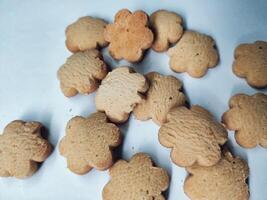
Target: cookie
(22,148)
(129,35)
(88,143)
(251,63)
(163,94)
(248,118)
(136,179)
(82,73)
(225,180)
(167,27)
(86,33)
(119,93)
(193,135)
(194,53)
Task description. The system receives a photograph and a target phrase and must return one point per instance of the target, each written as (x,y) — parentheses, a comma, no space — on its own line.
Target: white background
(32,49)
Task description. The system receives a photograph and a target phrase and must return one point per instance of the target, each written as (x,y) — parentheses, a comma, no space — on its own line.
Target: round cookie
(136,179)
(248,117)
(119,93)
(82,73)
(167,27)
(225,180)
(129,35)
(88,143)
(251,63)
(194,53)
(22,148)
(86,33)
(193,135)
(164,93)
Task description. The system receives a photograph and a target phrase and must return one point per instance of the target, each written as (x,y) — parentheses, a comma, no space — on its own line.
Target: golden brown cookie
(163,94)
(194,53)
(193,135)
(88,143)
(22,148)
(248,117)
(119,93)
(82,73)
(129,35)
(86,33)
(224,181)
(167,27)
(251,63)
(136,179)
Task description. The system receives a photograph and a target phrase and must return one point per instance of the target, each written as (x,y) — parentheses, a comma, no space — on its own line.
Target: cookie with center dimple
(167,27)
(88,143)
(164,93)
(136,179)
(225,180)
(119,93)
(194,53)
(129,35)
(86,33)
(248,117)
(251,63)
(22,148)
(82,73)
(193,135)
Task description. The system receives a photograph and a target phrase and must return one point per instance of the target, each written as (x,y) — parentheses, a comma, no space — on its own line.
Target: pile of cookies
(196,139)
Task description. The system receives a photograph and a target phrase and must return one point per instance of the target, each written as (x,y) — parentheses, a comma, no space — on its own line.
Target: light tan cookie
(194,53)
(119,93)
(21,148)
(86,33)
(193,135)
(164,93)
(225,180)
(248,117)
(136,179)
(129,35)
(251,63)
(167,27)
(88,143)
(82,73)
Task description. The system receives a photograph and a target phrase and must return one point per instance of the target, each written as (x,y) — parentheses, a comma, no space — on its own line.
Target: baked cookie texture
(82,73)
(119,93)
(129,35)
(167,27)
(88,142)
(193,135)
(22,148)
(86,33)
(247,116)
(251,63)
(136,179)
(194,53)
(225,180)
(164,93)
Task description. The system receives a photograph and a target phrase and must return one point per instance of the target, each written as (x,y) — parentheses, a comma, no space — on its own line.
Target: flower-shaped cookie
(86,33)
(167,27)
(224,181)
(193,135)
(88,143)
(136,179)
(251,63)
(21,148)
(164,93)
(82,73)
(248,117)
(194,53)
(129,35)
(119,93)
